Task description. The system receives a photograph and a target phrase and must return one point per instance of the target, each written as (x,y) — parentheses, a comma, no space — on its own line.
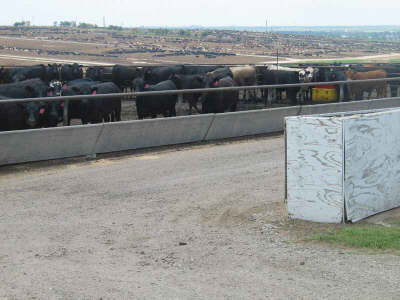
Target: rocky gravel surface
(202,222)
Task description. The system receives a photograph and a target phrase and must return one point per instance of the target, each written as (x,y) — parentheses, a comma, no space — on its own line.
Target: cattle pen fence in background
(89,140)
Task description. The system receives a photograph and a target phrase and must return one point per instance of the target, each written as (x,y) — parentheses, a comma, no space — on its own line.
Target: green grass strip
(372,237)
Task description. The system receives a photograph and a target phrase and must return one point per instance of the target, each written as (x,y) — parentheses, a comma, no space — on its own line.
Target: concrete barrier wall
(52,143)
(350,106)
(264,121)
(62,142)
(250,122)
(152,133)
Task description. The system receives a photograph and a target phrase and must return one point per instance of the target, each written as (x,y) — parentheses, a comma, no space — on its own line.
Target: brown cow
(245,76)
(356,89)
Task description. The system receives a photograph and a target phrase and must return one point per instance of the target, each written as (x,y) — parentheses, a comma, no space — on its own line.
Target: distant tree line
(74,24)
(22,24)
(173,32)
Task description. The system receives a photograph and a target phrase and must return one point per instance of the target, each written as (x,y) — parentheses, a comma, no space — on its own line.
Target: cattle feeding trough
(72,141)
(342,167)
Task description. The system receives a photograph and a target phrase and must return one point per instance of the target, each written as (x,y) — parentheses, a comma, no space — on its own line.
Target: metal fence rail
(71,141)
(193,91)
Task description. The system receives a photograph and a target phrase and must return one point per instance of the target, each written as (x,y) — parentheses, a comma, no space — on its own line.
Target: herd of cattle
(74,79)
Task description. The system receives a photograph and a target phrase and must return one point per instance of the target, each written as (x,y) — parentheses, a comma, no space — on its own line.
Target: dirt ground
(190,222)
(98,48)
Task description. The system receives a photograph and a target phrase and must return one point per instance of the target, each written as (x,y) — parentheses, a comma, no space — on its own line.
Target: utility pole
(277,58)
(277,50)
(266,35)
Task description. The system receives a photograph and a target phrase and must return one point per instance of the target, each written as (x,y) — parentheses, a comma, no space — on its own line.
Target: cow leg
(359,95)
(381,92)
(393,90)
(194,105)
(118,112)
(384,91)
(172,112)
(191,103)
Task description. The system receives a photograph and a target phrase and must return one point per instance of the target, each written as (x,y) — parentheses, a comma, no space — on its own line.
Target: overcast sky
(204,12)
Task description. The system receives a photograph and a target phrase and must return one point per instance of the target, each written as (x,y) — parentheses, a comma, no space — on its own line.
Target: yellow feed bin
(326,93)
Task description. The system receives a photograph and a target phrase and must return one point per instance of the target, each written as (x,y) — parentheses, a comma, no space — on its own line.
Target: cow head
(19,76)
(177,79)
(54,113)
(52,72)
(211,81)
(138,84)
(57,87)
(308,75)
(30,91)
(350,74)
(34,113)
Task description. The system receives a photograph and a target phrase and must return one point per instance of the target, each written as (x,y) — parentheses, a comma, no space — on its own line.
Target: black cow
(45,73)
(270,77)
(219,102)
(219,73)
(4,75)
(33,113)
(187,82)
(84,81)
(105,109)
(92,110)
(24,73)
(71,72)
(197,70)
(78,109)
(123,76)
(102,74)
(52,72)
(53,110)
(335,74)
(11,116)
(151,106)
(25,89)
(154,75)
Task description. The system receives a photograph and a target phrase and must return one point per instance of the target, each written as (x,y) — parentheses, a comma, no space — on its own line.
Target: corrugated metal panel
(372,164)
(315,169)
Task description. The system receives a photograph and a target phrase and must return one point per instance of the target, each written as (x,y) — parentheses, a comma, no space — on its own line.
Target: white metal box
(342,167)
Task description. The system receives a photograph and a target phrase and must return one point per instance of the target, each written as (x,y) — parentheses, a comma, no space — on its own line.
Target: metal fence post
(341,93)
(65,113)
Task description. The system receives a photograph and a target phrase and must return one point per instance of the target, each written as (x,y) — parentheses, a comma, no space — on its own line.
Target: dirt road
(6,59)
(205,222)
(37,59)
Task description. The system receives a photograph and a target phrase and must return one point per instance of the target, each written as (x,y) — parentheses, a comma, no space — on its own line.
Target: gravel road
(202,222)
